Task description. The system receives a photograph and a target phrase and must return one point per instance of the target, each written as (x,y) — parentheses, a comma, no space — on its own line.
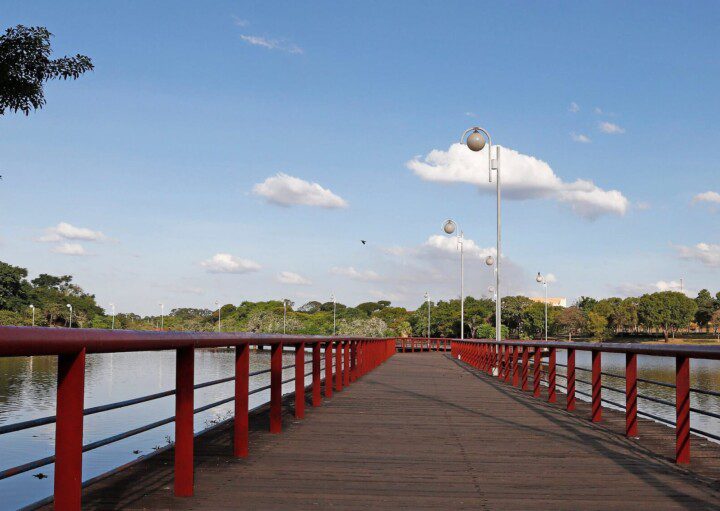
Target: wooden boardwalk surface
(425,432)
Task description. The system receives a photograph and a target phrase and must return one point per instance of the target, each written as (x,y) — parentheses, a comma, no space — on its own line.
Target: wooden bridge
(418,430)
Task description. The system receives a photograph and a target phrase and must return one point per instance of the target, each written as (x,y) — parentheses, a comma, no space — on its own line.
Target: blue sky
(193,105)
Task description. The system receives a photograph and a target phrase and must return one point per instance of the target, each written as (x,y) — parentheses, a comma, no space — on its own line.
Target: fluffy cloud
(443,247)
(352,273)
(574,107)
(610,128)
(272,44)
(285,190)
(550,278)
(579,137)
(709,196)
(706,253)
(523,177)
(288,277)
(73,249)
(227,263)
(65,231)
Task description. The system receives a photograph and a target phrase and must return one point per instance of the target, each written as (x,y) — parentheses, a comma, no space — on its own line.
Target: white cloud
(471,114)
(272,44)
(65,231)
(73,249)
(287,190)
(550,278)
(610,128)
(239,22)
(438,246)
(632,289)
(579,137)
(709,196)
(642,205)
(706,253)
(598,110)
(288,277)
(524,177)
(574,107)
(352,273)
(227,263)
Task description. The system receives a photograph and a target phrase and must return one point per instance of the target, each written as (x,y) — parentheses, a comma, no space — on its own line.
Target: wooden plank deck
(426,432)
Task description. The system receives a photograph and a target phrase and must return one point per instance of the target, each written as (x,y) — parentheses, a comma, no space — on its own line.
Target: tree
(706,305)
(571,320)
(666,310)
(514,313)
(478,312)
(596,326)
(625,316)
(586,303)
(715,321)
(25,65)
(13,287)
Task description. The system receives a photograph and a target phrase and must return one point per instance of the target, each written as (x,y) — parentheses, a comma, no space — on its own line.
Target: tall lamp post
(332,297)
(32,308)
(450,226)
(476,141)
(540,279)
(70,308)
(112,307)
(162,315)
(427,299)
(217,304)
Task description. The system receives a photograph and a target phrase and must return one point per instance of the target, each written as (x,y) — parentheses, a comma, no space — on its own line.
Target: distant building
(556,302)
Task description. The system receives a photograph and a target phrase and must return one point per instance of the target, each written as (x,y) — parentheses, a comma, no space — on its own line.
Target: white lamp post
(450,226)
(162,316)
(217,304)
(427,298)
(112,307)
(332,297)
(540,279)
(476,142)
(32,308)
(71,310)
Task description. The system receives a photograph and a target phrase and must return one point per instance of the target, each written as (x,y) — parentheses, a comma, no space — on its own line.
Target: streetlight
(217,304)
(112,306)
(540,279)
(476,142)
(332,297)
(162,315)
(70,307)
(32,307)
(450,226)
(427,298)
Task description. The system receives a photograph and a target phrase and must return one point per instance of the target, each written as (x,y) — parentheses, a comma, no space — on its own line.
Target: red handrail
(355,356)
(503,357)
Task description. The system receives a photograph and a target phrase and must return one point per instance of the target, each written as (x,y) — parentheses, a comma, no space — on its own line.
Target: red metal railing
(354,357)
(507,359)
(412,344)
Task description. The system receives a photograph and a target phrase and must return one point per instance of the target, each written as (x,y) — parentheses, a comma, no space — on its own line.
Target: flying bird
(363,242)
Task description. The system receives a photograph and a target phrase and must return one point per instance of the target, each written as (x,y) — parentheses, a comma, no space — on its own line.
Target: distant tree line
(662,313)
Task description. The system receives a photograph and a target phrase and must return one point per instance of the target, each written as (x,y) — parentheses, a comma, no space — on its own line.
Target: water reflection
(27,391)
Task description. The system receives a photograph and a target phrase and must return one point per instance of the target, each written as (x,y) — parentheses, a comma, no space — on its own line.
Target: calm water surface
(27,391)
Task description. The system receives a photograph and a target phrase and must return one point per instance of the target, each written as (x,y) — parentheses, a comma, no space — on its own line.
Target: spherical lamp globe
(449,227)
(475,141)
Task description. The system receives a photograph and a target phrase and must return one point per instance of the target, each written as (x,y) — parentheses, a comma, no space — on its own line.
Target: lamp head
(475,141)
(490,260)
(68,306)
(449,226)
(539,278)
(32,306)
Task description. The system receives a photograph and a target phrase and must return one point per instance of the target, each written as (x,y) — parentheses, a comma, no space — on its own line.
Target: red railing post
(682,409)
(353,361)
(631,393)
(596,386)
(242,387)
(276,388)
(69,430)
(346,372)
(537,365)
(300,380)
(570,379)
(525,367)
(184,394)
(338,367)
(552,376)
(316,399)
(328,369)
(515,368)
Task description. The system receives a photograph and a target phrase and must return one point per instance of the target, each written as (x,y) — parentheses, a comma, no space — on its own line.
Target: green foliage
(571,321)
(706,306)
(14,288)
(596,326)
(666,310)
(25,65)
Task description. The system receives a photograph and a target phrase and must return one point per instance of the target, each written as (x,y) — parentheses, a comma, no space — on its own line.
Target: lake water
(27,391)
